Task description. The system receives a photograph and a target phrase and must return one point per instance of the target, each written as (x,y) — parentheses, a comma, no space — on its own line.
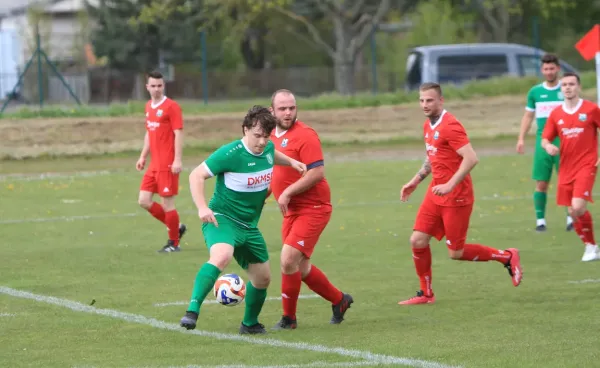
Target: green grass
(490,87)
(479,320)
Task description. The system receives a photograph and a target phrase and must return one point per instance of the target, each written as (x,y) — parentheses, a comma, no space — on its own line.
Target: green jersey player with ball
(541,100)
(243,169)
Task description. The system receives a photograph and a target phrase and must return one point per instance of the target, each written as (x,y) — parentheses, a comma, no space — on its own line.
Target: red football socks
(318,282)
(172,222)
(290,290)
(481,253)
(584,227)
(422,259)
(157,211)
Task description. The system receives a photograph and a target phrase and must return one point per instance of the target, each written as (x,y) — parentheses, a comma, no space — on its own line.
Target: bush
(485,88)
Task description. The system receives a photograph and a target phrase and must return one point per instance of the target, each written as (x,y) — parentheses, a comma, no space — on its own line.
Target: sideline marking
(184,302)
(267,209)
(152,322)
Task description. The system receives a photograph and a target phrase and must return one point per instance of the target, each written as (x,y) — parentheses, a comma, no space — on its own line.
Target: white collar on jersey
(569,111)
(154,106)
(438,121)
(279,134)
(249,150)
(545,85)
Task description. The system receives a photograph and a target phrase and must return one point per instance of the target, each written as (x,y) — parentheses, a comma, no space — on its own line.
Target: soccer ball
(230,290)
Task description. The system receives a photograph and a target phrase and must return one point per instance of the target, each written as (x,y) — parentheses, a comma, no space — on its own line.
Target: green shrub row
(486,88)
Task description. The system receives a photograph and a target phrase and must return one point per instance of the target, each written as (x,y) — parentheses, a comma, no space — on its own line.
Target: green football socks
(255,298)
(205,280)
(539,203)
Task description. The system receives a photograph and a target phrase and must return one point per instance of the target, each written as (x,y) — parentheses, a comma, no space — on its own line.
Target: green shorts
(248,243)
(543,162)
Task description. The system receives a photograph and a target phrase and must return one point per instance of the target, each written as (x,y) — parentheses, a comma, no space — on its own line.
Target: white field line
(268,209)
(139,319)
(586,281)
(306,365)
(183,302)
(7,314)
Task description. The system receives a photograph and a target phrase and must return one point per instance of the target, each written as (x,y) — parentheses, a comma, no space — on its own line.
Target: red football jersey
(578,134)
(301,143)
(442,139)
(161,121)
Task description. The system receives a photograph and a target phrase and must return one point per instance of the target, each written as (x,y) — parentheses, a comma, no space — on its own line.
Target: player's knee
(262,280)
(577,210)
(168,203)
(541,186)
(418,240)
(455,254)
(145,203)
(290,259)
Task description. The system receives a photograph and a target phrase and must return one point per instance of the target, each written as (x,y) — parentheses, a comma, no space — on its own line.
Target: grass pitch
(69,240)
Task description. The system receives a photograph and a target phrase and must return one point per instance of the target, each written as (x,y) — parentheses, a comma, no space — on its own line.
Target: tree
(500,17)
(353,21)
(125,46)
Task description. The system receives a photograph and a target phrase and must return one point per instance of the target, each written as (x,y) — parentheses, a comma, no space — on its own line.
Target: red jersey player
(164,142)
(305,203)
(576,124)
(448,203)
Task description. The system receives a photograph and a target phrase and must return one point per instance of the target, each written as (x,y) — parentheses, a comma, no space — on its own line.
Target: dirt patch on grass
(485,117)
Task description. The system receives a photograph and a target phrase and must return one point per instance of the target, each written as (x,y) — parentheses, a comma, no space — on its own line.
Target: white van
(464,62)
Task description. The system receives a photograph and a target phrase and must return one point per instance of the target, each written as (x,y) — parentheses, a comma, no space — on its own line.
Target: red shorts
(302,231)
(581,187)
(163,183)
(439,221)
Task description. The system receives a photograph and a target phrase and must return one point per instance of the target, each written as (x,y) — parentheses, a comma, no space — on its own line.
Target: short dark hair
(430,85)
(571,74)
(155,74)
(550,58)
(279,91)
(261,116)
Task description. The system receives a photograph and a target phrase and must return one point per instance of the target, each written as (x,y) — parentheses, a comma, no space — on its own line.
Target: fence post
(204,67)
(39,61)
(536,43)
(374,61)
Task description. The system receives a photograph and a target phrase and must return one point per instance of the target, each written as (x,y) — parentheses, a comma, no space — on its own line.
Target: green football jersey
(543,100)
(243,179)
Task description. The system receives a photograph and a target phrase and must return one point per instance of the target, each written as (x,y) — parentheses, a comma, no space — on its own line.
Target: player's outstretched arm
(144,154)
(548,135)
(283,160)
(469,161)
(177,164)
(526,121)
(197,178)
(410,187)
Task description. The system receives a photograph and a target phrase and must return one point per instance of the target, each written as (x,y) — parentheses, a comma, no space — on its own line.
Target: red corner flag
(589,44)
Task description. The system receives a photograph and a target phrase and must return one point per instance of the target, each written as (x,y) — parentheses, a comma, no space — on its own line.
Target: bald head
(283,106)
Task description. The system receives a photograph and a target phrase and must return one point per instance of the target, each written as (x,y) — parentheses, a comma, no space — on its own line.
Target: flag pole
(598,76)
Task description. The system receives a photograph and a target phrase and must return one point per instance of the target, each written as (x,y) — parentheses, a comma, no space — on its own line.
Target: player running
(164,142)
(448,203)
(305,203)
(576,123)
(244,170)
(541,100)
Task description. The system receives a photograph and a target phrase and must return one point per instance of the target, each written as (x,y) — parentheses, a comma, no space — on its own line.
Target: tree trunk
(343,68)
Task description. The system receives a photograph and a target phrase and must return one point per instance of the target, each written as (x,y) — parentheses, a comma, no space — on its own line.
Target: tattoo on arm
(425,169)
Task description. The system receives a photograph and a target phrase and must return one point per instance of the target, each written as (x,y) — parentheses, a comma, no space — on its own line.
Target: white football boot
(592,253)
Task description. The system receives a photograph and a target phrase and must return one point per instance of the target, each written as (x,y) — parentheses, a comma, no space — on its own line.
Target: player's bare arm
(141,163)
(283,160)
(197,178)
(409,187)
(549,147)
(526,121)
(312,177)
(469,161)
(177,164)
